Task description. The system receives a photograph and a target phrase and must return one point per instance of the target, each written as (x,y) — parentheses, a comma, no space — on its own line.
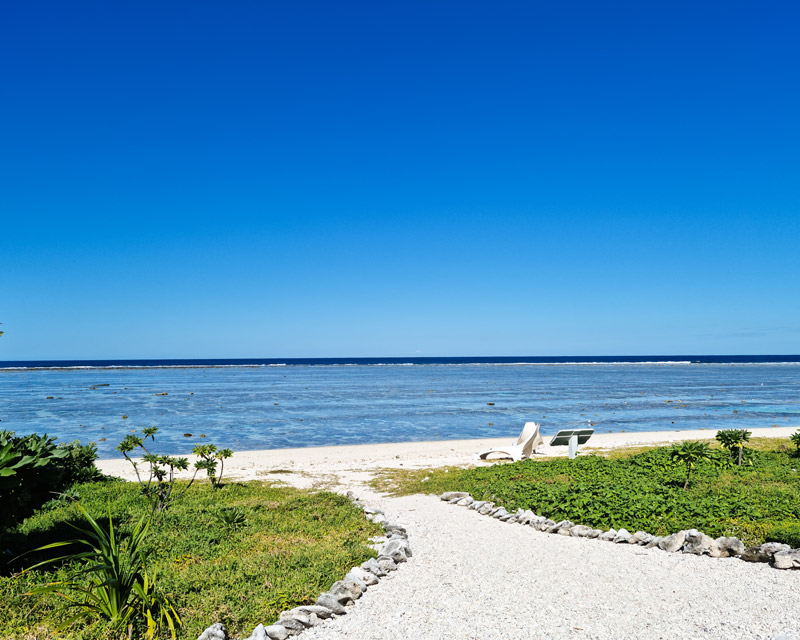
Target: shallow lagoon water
(268,407)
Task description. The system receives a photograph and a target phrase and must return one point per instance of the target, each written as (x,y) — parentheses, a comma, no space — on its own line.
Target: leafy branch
(161,469)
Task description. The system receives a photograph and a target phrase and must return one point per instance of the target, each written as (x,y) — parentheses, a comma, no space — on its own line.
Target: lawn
(238,555)
(641,491)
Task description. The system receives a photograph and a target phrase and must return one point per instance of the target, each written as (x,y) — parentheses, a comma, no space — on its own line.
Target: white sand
(349,466)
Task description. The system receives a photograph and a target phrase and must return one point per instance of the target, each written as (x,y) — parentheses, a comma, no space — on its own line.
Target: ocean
(270,404)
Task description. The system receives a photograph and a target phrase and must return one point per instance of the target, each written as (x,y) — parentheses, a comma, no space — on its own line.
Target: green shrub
(210,456)
(33,470)
(795,438)
(231,518)
(78,465)
(689,454)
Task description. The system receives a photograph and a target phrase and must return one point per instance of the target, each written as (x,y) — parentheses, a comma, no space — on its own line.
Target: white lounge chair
(525,445)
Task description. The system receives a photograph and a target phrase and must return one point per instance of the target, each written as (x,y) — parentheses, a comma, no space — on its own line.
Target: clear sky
(263,179)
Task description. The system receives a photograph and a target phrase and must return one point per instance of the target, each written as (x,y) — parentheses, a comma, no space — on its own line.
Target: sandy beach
(350,466)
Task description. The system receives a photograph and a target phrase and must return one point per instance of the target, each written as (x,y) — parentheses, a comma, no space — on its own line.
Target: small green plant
(110,581)
(231,518)
(734,439)
(210,456)
(689,454)
(162,470)
(78,463)
(61,498)
(795,438)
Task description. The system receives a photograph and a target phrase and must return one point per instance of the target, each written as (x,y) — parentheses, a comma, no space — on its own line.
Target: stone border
(393,549)
(779,555)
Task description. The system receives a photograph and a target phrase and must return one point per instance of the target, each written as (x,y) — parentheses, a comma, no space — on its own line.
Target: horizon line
(402,357)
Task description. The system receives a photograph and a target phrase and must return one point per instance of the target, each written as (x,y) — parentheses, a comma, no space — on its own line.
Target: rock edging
(692,541)
(393,549)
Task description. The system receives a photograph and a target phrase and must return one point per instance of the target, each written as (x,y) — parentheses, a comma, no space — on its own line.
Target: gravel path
(475,577)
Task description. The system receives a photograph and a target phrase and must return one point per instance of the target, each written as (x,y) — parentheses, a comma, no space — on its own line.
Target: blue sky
(259,179)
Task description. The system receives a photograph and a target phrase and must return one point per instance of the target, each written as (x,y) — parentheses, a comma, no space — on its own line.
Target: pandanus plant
(690,454)
(109,580)
(734,439)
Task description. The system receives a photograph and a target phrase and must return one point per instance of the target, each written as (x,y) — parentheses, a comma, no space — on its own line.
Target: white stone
(276,632)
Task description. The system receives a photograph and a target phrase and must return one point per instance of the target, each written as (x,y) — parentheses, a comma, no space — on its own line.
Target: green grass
(291,546)
(642,491)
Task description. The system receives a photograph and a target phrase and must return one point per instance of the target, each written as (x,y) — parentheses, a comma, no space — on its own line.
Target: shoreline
(325,466)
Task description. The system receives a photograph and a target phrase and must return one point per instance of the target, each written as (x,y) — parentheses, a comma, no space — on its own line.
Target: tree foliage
(733,440)
(33,469)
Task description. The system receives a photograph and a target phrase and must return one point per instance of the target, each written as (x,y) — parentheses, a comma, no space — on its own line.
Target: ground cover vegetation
(647,490)
(239,555)
(104,559)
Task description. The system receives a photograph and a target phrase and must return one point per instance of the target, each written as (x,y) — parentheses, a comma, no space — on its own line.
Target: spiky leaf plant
(110,580)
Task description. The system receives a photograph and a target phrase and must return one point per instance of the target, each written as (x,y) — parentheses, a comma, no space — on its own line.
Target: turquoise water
(264,407)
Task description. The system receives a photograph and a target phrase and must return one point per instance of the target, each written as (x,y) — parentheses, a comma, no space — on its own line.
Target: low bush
(688,455)
(795,438)
(733,440)
(34,469)
(78,463)
(209,457)
(159,487)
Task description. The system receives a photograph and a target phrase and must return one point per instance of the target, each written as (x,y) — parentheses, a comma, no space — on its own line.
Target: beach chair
(526,444)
